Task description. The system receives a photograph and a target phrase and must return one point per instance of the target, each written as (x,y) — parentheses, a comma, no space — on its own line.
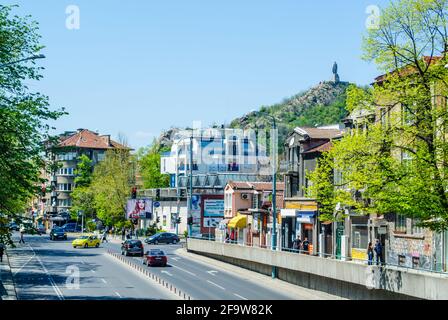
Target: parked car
(71,227)
(14,226)
(86,242)
(58,233)
(155,257)
(132,247)
(164,237)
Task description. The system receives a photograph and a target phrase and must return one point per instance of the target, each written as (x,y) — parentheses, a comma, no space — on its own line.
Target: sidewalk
(7,287)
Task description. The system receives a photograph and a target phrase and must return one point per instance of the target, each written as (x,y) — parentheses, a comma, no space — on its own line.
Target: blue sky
(138,67)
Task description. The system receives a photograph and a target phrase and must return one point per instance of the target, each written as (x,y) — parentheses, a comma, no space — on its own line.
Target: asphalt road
(53,270)
(205,282)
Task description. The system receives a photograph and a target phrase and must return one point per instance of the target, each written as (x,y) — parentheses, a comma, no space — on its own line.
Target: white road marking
(183,270)
(103,280)
(25,264)
(117,294)
(176,259)
(241,297)
(93,271)
(212,272)
(217,285)
(163,271)
(53,284)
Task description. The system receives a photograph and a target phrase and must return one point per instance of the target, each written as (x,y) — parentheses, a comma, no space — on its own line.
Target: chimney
(106,139)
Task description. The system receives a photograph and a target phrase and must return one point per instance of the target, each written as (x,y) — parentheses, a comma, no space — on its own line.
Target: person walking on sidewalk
(22,232)
(379,252)
(2,251)
(104,237)
(370,253)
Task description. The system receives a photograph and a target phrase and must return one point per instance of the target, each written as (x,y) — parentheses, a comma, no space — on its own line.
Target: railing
(440,269)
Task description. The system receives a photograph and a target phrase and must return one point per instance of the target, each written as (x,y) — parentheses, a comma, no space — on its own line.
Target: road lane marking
(241,297)
(217,285)
(93,271)
(163,271)
(25,264)
(183,270)
(212,272)
(103,280)
(117,294)
(53,284)
(176,259)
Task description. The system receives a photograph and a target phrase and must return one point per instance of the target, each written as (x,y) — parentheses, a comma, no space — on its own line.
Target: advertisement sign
(214,208)
(196,214)
(212,222)
(139,209)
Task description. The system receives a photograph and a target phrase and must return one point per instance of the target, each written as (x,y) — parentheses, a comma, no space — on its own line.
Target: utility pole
(190,204)
(274,191)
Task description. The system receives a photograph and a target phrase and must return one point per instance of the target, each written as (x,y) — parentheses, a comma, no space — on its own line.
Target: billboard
(139,209)
(196,214)
(214,208)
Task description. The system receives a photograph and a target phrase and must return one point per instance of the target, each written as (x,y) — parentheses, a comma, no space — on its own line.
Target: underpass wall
(345,279)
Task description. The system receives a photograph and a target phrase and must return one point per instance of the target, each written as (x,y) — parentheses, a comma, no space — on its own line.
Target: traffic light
(178,220)
(157,194)
(182,193)
(134,221)
(190,220)
(158,219)
(134,193)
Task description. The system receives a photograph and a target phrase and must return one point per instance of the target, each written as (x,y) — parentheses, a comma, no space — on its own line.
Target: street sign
(156,204)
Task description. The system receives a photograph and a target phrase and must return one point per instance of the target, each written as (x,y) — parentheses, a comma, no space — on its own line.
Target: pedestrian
(370,253)
(22,231)
(305,245)
(227,238)
(379,252)
(2,250)
(104,237)
(297,245)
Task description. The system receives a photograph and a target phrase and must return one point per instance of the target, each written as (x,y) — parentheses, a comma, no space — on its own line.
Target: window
(66,171)
(408,117)
(255,201)
(65,187)
(228,201)
(359,236)
(406,157)
(101,156)
(400,224)
(64,202)
(415,228)
(67,156)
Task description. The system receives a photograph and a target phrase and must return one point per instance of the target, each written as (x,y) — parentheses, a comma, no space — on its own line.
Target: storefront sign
(308,206)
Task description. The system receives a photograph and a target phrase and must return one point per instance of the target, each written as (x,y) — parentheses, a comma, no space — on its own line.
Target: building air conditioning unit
(245,196)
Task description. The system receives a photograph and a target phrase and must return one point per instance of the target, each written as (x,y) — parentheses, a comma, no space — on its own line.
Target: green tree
(83,172)
(399,165)
(23,114)
(111,185)
(149,167)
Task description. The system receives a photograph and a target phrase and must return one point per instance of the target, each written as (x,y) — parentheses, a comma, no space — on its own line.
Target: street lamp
(274,186)
(34,57)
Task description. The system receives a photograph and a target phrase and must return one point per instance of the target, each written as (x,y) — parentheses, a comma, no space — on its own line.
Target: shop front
(359,237)
(236,228)
(298,220)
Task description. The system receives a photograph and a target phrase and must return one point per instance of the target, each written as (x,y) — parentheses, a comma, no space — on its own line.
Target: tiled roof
(259,186)
(318,133)
(84,138)
(321,148)
(408,69)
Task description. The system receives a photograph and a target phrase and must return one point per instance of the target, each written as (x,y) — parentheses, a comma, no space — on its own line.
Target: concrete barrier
(346,279)
(150,275)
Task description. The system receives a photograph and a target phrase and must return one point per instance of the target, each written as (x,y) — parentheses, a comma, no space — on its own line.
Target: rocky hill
(320,105)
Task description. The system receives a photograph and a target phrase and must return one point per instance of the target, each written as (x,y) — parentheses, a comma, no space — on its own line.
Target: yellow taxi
(86,241)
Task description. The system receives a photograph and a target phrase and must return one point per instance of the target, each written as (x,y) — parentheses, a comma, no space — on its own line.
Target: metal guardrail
(328,256)
(144,270)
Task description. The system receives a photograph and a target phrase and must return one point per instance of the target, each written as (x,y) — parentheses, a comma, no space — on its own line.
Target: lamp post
(37,56)
(274,187)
